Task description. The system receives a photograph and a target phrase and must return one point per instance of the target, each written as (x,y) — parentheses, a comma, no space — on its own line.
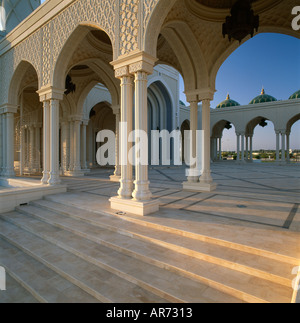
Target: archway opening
(28,121)
(293,131)
(222,146)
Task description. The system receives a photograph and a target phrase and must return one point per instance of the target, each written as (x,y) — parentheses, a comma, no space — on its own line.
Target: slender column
(251,148)
(117,173)
(206,174)
(220,149)
(247,148)
(243,148)
(140,65)
(54,143)
(141,192)
(77,166)
(71,146)
(238,136)
(64,144)
(277,145)
(126,182)
(193,172)
(37,148)
(46,142)
(83,145)
(9,144)
(288,146)
(1,144)
(283,147)
(31,149)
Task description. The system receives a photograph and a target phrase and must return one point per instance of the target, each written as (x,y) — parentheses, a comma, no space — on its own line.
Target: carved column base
(134,207)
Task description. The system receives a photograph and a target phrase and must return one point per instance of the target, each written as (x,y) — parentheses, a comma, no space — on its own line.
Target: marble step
(258,266)
(95,282)
(239,285)
(215,230)
(15,292)
(168,285)
(30,281)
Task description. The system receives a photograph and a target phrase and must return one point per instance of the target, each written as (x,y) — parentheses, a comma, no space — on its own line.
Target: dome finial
(228,97)
(263,91)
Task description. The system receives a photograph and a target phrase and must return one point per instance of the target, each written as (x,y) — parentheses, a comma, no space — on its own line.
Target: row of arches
(181,34)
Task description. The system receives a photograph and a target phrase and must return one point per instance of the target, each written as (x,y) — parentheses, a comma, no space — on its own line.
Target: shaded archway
(28,120)
(221,141)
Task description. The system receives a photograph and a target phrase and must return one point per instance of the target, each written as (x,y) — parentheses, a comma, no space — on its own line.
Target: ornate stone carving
(129,26)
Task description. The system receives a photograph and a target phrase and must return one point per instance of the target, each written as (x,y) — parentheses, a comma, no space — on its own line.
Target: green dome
(263,97)
(228,103)
(296,95)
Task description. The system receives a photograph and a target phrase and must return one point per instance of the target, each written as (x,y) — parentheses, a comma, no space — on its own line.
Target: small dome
(228,103)
(296,95)
(263,97)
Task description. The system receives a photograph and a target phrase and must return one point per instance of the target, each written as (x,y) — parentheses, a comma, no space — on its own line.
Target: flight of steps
(60,253)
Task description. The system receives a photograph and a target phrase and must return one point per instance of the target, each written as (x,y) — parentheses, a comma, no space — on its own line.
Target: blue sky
(271,61)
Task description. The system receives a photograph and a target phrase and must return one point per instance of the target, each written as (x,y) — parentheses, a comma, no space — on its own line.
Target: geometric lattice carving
(129,26)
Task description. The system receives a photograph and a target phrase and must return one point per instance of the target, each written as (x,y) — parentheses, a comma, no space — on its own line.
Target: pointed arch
(18,77)
(68,49)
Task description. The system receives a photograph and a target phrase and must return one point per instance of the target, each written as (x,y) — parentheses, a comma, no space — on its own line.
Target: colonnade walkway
(240,243)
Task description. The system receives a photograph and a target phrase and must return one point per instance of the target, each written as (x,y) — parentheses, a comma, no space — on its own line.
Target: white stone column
(283,159)
(220,148)
(238,136)
(193,171)
(215,140)
(31,149)
(10,145)
(8,140)
(247,148)
(38,147)
(64,146)
(116,177)
(126,182)
(251,148)
(206,181)
(141,192)
(243,147)
(76,148)
(71,145)
(1,144)
(277,145)
(4,144)
(83,145)
(140,65)
(288,146)
(54,178)
(46,142)
(50,98)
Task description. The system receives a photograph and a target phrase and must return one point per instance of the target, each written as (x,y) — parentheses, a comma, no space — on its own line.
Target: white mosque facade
(73,68)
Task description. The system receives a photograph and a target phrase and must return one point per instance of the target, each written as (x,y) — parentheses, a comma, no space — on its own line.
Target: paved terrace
(253,195)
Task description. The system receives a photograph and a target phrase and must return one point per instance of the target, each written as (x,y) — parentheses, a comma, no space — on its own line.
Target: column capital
(8,108)
(85,122)
(76,117)
(116,109)
(47,93)
(137,61)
